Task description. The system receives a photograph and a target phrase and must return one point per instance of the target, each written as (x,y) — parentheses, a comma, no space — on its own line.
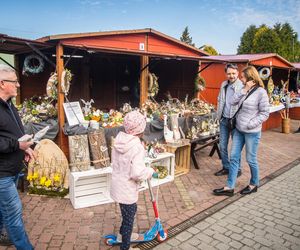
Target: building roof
(112,41)
(16,45)
(246,58)
(296,65)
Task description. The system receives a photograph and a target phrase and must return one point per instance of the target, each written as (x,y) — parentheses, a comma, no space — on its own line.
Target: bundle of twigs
(284,113)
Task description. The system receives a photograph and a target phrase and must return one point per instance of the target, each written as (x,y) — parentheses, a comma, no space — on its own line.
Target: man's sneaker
(4,240)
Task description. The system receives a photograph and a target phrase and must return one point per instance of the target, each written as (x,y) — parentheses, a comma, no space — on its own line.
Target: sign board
(73,113)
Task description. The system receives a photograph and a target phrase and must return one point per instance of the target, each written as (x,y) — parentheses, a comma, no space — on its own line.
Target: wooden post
(62,139)
(16,64)
(198,94)
(144,79)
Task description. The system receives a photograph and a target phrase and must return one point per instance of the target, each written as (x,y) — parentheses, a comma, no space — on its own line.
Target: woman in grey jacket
(249,119)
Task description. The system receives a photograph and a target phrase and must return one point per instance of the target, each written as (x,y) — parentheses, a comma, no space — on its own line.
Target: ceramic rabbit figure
(168,134)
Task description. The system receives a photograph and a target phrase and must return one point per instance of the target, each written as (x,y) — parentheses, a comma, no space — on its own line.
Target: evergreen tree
(280,39)
(186,38)
(246,45)
(266,40)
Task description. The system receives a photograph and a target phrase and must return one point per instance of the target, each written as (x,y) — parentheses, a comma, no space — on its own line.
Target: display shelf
(90,188)
(164,159)
(276,108)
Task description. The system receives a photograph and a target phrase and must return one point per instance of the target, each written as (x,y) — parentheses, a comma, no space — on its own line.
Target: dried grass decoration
(99,150)
(51,88)
(79,153)
(153,86)
(33,64)
(66,78)
(48,174)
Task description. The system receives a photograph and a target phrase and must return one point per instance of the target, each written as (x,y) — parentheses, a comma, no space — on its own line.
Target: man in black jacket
(12,153)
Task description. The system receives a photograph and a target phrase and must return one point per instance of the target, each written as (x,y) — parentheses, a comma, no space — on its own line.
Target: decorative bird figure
(168,134)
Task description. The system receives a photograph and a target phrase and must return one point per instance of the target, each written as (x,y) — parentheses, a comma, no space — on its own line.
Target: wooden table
(203,142)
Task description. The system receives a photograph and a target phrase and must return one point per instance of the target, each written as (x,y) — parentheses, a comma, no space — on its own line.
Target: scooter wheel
(160,238)
(108,242)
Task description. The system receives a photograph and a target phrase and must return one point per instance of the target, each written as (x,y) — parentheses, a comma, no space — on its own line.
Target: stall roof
(265,59)
(296,65)
(16,45)
(140,41)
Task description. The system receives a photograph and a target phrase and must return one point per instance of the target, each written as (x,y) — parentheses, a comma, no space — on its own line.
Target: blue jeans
(224,138)
(11,213)
(251,141)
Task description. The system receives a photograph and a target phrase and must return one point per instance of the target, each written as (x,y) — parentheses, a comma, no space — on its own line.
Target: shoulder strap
(252,90)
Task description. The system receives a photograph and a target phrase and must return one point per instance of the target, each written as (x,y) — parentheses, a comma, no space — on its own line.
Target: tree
(280,39)
(186,38)
(288,40)
(210,50)
(246,45)
(266,40)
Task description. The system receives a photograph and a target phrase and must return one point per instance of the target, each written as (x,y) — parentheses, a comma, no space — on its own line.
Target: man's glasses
(11,81)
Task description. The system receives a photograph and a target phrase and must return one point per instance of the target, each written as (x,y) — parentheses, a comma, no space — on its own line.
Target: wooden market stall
(110,67)
(294,85)
(212,70)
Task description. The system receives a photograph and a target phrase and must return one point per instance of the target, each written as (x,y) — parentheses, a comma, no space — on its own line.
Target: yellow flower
(48,183)
(43,180)
(29,177)
(35,176)
(57,177)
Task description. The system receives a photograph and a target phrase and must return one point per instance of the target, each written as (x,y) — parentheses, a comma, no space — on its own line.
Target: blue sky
(219,23)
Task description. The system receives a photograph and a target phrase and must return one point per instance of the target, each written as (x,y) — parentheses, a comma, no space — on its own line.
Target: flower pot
(286,126)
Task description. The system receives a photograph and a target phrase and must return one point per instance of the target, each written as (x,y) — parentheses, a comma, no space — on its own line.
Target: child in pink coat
(128,170)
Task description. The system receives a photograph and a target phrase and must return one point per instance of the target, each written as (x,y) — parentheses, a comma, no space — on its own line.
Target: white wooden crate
(164,159)
(90,188)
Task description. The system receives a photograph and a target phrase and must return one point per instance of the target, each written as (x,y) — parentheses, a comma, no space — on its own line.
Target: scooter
(155,231)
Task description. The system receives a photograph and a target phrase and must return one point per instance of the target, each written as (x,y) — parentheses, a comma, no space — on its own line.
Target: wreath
(199,83)
(264,73)
(66,78)
(51,88)
(33,64)
(152,85)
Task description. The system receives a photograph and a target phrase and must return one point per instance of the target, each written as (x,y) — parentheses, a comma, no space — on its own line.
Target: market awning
(266,59)
(15,45)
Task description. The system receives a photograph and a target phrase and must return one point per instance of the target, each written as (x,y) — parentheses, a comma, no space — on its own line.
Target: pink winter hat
(134,123)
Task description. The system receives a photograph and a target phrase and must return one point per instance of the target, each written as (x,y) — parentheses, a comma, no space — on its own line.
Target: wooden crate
(164,159)
(90,188)
(182,157)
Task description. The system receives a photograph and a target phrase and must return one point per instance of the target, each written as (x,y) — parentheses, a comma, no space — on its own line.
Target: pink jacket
(128,168)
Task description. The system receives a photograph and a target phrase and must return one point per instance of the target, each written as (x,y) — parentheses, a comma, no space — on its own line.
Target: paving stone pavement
(268,219)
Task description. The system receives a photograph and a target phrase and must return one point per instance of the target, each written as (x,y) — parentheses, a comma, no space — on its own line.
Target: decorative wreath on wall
(264,73)
(66,78)
(152,85)
(33,64)
(51,88)
(199,83)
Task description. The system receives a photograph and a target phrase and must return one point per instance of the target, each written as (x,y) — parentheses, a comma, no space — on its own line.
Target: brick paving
(52,223)
(268,219)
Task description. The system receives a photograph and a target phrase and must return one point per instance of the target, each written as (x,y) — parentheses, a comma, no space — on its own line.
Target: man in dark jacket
(12,153)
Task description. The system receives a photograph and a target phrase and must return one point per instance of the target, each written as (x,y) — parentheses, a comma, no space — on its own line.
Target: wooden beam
(62,139)
(144,79)
(16,64)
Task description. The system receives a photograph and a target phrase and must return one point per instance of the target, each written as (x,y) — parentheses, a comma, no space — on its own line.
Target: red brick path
(52,223)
